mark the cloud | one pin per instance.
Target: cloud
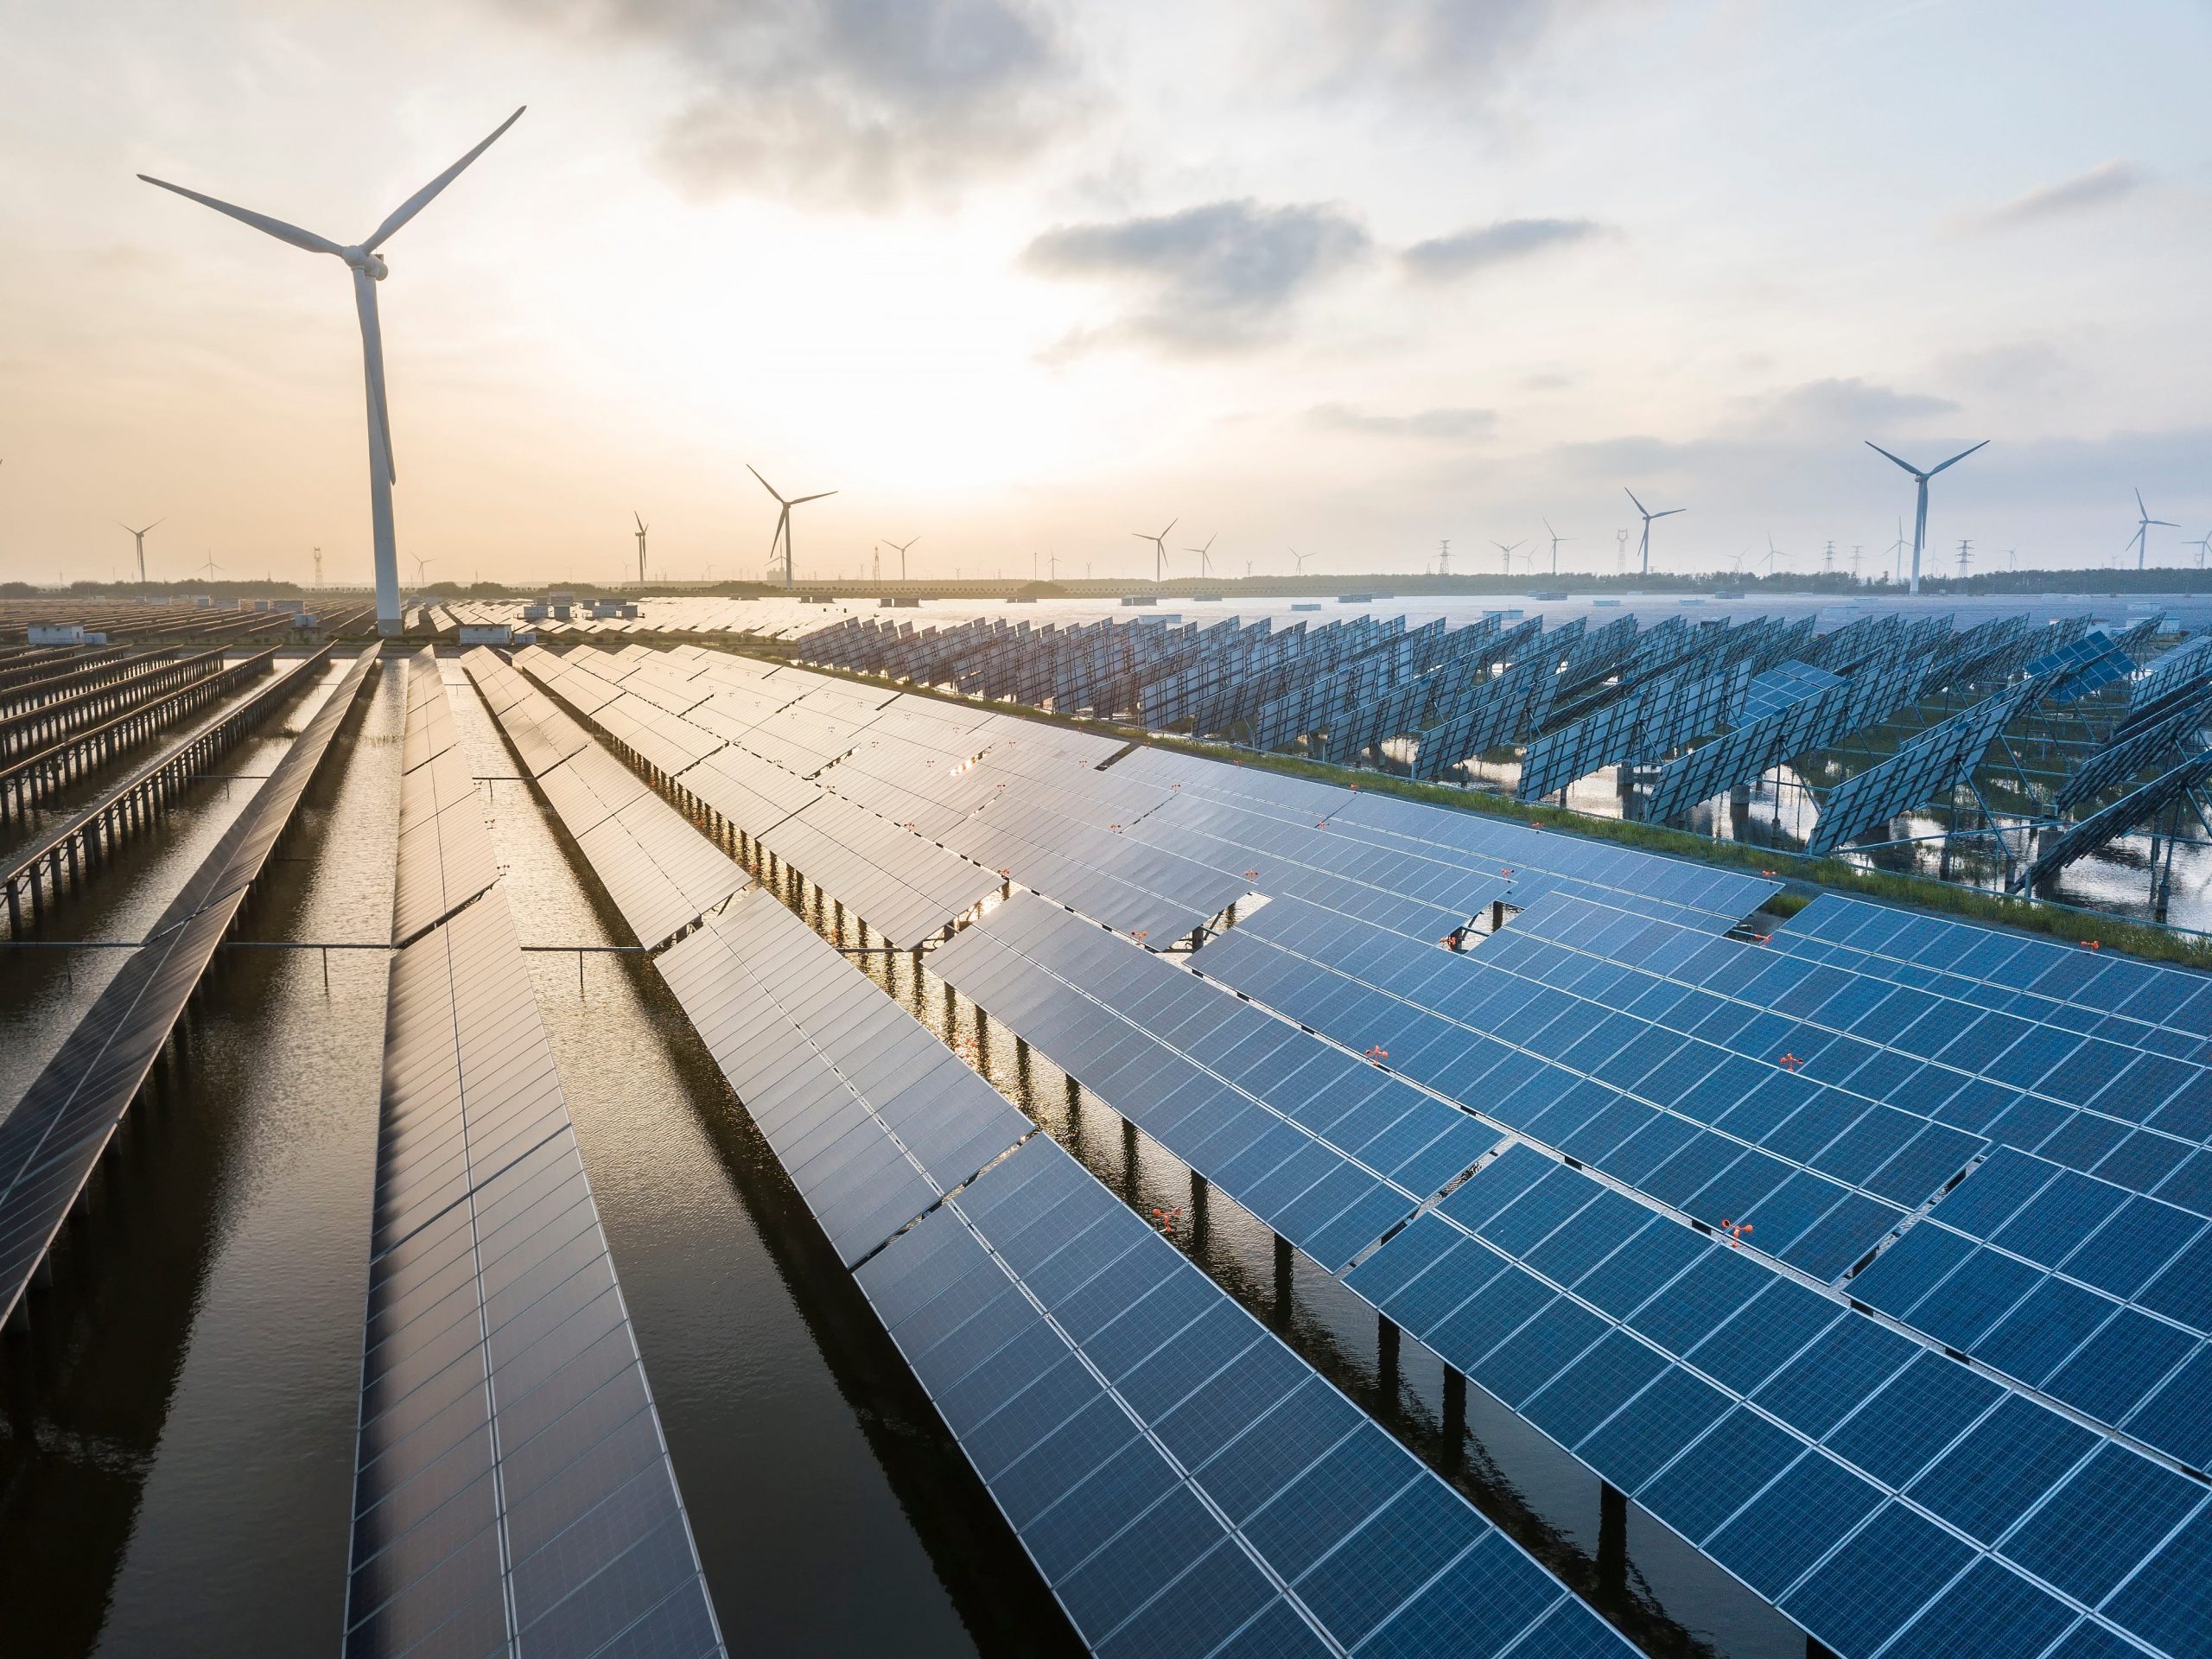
(861, 104)
(2105, 182)
(1480, 246)
(1220, 276)
(1444, 423)
(1832, 405)
(1455, 49)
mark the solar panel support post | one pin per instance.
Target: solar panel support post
(1612, 1546)
(1455, 1417)
(1282, 1283)
(1386, 1368)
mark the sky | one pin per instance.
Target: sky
(1021, 278)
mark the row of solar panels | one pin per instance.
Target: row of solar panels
(513, 1491)
(1277, 1199)
(52, 1140)
(1184, 1482)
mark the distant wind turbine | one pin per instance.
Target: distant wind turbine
(368, 271)
(1205, 565)
(2142, 536)
(420, 564)
(1508, 549)
(1556, 539)
(1158, 549)
(639, 519)
(139, 536)
(2200, 544)
(783, 519)
(210, 567)
(1897, 554)
(1920, 512)
(1644, 556)
(901, 547)
(1301, 558)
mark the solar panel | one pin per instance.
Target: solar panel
(2127, 755)
(445, 853)
(512, 1488)
(1785, 683)
(1933, 763)
(52, 1139)
(661, 873)
(2084, 665)
(2186, 663)
(908, 889)
(2108, 824)
(1182, 1481)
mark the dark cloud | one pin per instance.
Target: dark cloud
(1480, 246)
(852, 103)
(1218, 277)
(2107, 182)
(1443, 423)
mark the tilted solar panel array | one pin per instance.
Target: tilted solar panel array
(53, 1138)
(2174, 728)
(2108, 824)
(1932, 762)
(513, 1491)
(445, 858)
(1183, 1482)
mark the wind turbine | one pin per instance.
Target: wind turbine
(1920, 512)
(1772, 553)
(1556, 539)
(211, 568)
(1897, 555)
(369, 269)
(1509, 550)
(139, 536)
(1301, 558)
(783, 519)
(1158, 549)
(1644, 557)
(638, 519)
(420, 562)
(2200, 544)
(902, 547)
(2142, 536)
(1205, 565)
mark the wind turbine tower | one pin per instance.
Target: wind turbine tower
(1158, 549)
(902, 547)
(318, 566)
(139, 537)
(638, 519)
(1920, 511)
(368, 269)
(783, 519)
(1644, 557)
(2142, 536)
(1556, 539)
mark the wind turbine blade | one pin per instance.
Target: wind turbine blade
(818, 495)
(1670, 512)
(2168, 522)
(765, 483)
(1631, 496)
(1172, 523)
(364, 302)
(2141, 511)
(1907, 465)
(1957, 459)
(276, 227)
(415, 203)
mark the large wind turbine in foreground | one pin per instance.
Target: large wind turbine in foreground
(1920, 519)
(139, 537)
(783, 519)
(368, 271)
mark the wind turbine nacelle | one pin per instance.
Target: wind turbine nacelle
(362, 259)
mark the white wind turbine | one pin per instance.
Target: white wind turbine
(783, 520)
(1158, 549)
(1301, 558)
(2142, 536)
(1644, 557)
(1556, 539)
(1206, 564)
(2200, 544)
(369, 269)
(1920, 512)
(139, 537)
(1508, 549)
(902, 547)
(639, 518)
